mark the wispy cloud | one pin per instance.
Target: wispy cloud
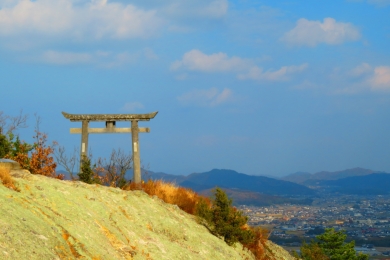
(380, 3)
(206, 97)
(132, 106)
(376, 78)
(196, 60)
(282, 74)
(363, 78)
(199, 8)
(102, 59)
(361, 70)
(65, 58)
(150, 54)
(312, 33)
(380, 80)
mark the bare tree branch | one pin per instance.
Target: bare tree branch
(9, 124)
(115, 168)
(68, 162)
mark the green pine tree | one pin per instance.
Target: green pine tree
(331, 245)
(86, 173)
(224, 220)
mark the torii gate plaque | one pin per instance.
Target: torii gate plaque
(110, 120)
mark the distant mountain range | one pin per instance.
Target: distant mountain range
(252, 198)
(244, 189)
(372, 184)
(308, 178)
(233, 180)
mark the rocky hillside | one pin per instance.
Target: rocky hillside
(53, 219)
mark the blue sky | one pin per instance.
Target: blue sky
(260, 87)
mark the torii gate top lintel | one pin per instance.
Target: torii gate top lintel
(109, 117)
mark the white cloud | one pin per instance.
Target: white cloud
(206, 97)
(132, 106)
(312, 33)
(196, 60)
(94, 19)
(283, 73)
(380, 80)
(218, 62)
(65, 58)
(362, 78)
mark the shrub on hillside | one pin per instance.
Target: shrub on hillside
(258, 245)
(42, 161)
(36, 158)
(224, 220)
(86, 173)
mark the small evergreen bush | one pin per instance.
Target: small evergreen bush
(224, 220)
(86, 173)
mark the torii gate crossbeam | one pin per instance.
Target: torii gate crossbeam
(110, 120)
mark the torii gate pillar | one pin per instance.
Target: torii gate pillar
(136, 157)
(110, 120)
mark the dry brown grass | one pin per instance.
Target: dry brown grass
(185, 199)
(6, 179)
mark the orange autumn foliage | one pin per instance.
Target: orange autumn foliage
(258, 245)
(41, 160)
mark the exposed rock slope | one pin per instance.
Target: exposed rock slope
(53, 219)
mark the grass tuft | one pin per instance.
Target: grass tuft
(6, 179)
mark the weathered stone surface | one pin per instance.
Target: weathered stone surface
(10, 164)
(53, 219)
(109, 117)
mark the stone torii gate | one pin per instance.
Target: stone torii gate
(110, 120)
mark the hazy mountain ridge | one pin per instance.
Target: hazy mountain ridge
(308, 178)
(242, 188)
(233, 180)
(372, 184)
(250, 198)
